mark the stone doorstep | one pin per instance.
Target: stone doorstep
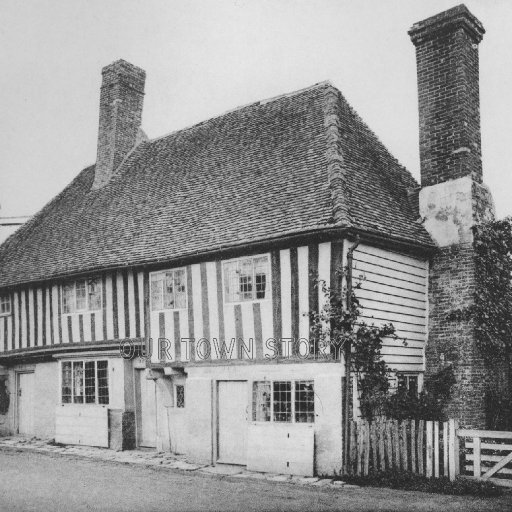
(167, 460)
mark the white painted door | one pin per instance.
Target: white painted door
(232, 425)
(26, 403)
(147, 411)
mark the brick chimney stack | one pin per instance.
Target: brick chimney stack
(452, 200)
(449, 100)
(121, 100)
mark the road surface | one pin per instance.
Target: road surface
(48, 482)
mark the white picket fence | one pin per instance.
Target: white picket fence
(430, 448)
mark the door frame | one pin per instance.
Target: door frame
(17, 374)
(216, 411)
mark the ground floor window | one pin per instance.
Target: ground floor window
(408, 382)
(180, 396)
(284, 401)
(85, 382)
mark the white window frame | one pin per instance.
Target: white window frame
(151, 274)
(293, 410)
(6, 299)
(87, 308)
(268, 284)
(96, 397)
(407, 375)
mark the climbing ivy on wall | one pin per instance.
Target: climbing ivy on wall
(492, 310)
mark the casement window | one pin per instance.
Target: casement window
(5, 305)
(408, 382)
(284, 401)
(247, 279)
(180, 396)
(81, 296)
(85, 382)
(169, 289)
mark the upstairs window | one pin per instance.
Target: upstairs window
(5, 305)
(169, 290)
(81, 295)
(85, 382)
(247, 279)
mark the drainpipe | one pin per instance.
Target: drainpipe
(348, 350)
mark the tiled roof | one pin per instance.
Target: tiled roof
(298, 163)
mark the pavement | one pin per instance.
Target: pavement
(162, 460)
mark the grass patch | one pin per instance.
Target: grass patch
(413, 482)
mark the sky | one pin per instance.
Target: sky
(203, 58)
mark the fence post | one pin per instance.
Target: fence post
(382, 428)
(353, 447)
(477, 471)
(405, 465)
(436, 449)
(421, 430)
(453, 449)
(413, 446)
(429, 449)
(366, 442)
(445, 448)
(389, 443)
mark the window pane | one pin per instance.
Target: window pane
(90, 382)
(66, 383)
(78, 382)
(68, 298)
(180, 289)
(245, 279)
(304, 401)
(81, 295)
(231, 281)
(102, 382)
(282, 401)
(260, 276)
(94, 294)
(169, 291)
(261, 394)
(157, 288)
(180, 396)
(5, 304)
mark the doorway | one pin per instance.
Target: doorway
(146, 410)
(232, 422)
(25, 401)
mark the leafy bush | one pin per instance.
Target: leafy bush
(413, 482)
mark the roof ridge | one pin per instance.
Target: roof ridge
(336, 169)
(264, 101)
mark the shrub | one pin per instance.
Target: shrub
(413, 482)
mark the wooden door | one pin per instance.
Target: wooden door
(232, 422)
(147, 411)
(25, 390)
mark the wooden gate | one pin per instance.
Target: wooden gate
(488, 453)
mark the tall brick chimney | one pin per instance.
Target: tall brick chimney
(449, 101)
(121, 100)
(452, 199)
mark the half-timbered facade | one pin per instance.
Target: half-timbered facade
(163, 298)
